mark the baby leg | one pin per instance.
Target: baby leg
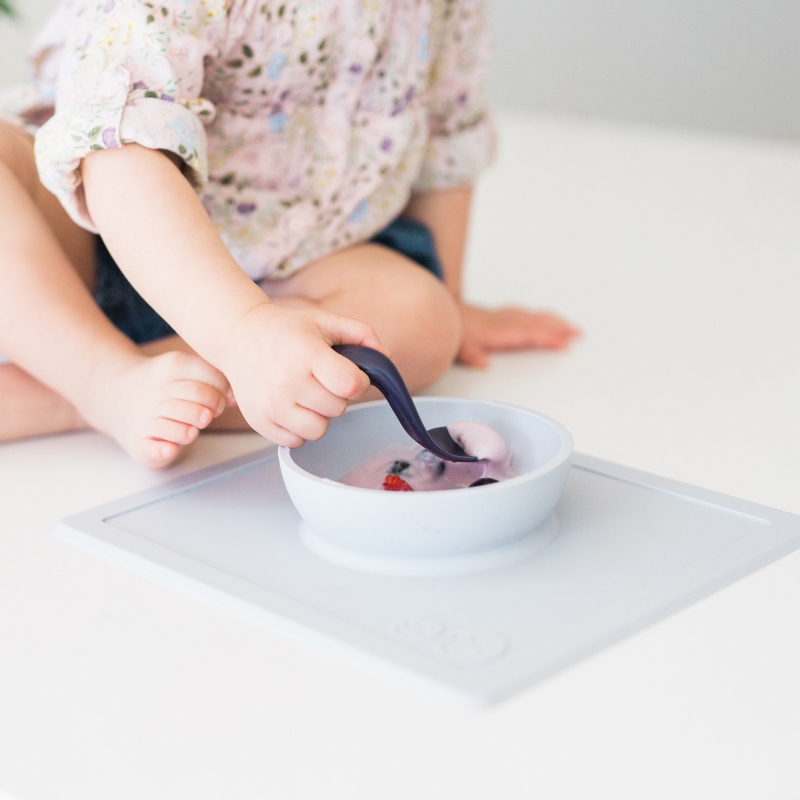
(63, 346)
(412, 312)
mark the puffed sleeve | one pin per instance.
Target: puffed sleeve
(461, 135)
(131, 71)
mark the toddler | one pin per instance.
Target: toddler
(199, 197)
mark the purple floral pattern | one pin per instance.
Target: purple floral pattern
(305, 127)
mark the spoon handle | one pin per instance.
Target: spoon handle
(385, 377)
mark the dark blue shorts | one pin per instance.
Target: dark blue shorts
(126, 308)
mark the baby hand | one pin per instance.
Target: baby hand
(509, 328)
(287, 380)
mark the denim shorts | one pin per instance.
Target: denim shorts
(126, 308)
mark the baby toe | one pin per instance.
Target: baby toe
(200, 393)
(171, 430)
(191, 367)
(561, 326)
(186, 412)
(157, 454)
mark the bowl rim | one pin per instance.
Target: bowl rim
(565, 451)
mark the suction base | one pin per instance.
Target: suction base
(517, 550)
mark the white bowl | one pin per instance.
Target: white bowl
(428, 533)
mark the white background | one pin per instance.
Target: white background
(678, 255)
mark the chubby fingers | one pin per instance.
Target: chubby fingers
(280, 435)
(346, 330)
(315, 397)
(295, 426)
(305, 417)
(338, 375)
(324, 395)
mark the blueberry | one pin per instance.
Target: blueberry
(399, 467)
(426, 457)
(482, 482)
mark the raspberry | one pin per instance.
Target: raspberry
(394, 483)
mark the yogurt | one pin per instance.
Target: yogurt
(411, 468)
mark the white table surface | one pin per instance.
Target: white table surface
(678, 255)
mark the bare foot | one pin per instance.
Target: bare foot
(511, 328)
(155, 406)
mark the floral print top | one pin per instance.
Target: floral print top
(304, 125)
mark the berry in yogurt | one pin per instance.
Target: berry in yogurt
(410, 468)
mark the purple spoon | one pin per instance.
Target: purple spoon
(384, 376)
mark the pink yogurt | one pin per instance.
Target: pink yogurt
(412, 468)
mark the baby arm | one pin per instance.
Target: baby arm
(446, 213)
(287, 380)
